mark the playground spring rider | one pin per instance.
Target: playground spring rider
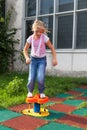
(39, 108)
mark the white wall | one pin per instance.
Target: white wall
(69, 64)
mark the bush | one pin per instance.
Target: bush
(14, 88)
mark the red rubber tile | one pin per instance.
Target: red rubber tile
(63, 108)
(57, 99)
(84, 87)
(74, 92)
(19, 108)
(73, 120)
(25, 123)
(81, 98)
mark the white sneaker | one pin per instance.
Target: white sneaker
(29, 94)
(42, 95)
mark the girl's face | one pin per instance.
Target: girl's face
(38, 32)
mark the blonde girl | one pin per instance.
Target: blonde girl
(37, 61)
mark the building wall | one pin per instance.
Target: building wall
(16, 18)
(17, 22)
(70, 63)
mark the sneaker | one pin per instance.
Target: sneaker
(29, 94)
(42, 95)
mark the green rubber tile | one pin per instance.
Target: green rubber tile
(81, 112)
(63, 95)
(85, 95)
(50, 103)
(7, 114)
(53, 115)
(73, 102)
(5, 128)
(81, 90)
(57, 126)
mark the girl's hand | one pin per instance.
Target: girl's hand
(54, 62)
(27, 60)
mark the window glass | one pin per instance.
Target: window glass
(49, 25)
(28, 31)
(82, 4)
(81, 30)
(30, 8)
(66, 5)
(46, 6)
(65, 28)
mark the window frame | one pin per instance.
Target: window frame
(55, 15)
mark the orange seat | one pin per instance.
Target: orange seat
(37, 99)
(30, 100)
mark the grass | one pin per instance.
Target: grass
(54, 85)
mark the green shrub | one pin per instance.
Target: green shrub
(82, 105)
(14, 88)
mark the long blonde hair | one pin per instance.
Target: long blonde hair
(39, 25)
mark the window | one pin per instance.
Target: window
(28, 28)
(65, 19)
(66, 5)
(82, 4)
(65, 28)
(30, 8)
(46, 6)
(81, 30)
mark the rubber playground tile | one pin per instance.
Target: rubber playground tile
(57, 126)
(56, 99)
(50, 103)
(81, 98)
(81, 90)
(74, 92)
(53, 115)
(19, 108)
(7, 114)
(81, 112)
(5, 128)
(25, 123)
(84, 95)
(73, 120)
(84, 87)
(63, 108)
(63, 95)
(73, 102)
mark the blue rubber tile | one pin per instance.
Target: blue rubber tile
(81, 112)
(5, 128)
(81, 90)
(57, 126)
(7, 114)
(73, 102)
(53, 115)
(63, 95)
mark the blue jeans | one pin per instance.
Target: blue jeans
(37, 69)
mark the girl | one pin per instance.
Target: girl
(37, 63)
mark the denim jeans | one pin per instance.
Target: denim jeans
(37, 69)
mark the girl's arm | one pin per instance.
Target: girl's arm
(54, 61)
(25, 52)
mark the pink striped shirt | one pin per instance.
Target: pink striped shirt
(38, 47)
